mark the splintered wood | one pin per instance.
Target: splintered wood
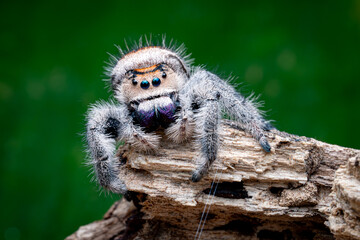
(302, 189)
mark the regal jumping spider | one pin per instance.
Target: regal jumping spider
(156, 88)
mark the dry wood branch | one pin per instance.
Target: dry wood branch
(303, 189)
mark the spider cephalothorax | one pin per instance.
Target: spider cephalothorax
(157, 89)
(148, 81)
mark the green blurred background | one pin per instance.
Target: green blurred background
(302, 57)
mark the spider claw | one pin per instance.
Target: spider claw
(117, 186)
(265, 144)
(196, 176)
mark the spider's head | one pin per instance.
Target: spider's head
(150, 82)
(148, 73)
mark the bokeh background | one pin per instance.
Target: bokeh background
(302, 57)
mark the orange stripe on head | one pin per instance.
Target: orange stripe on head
(153, 68)
(147, 69)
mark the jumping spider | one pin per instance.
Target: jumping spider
(156, 88)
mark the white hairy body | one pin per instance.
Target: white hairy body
(196, 97)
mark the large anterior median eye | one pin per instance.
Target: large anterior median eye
(144, 84)
(156, 82)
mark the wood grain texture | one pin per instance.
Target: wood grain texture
(302, 189)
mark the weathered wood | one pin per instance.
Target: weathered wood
(303, 189)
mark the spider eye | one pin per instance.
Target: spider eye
(164, 75)
(145, 84)
(134, 82)
(156, 82)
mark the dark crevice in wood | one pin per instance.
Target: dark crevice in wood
(234, 190)
(245, 226)
(133, 225)
(136, 197)
(282, 144)
(276, 190)
(272, 235)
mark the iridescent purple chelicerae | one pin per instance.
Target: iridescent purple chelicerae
(156, 113)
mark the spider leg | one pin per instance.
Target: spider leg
(108, 123)
(208, 120)
(243, 110)
(214, 94)
(183, 127)
(203, 103)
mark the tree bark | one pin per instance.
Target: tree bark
(302, 189)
